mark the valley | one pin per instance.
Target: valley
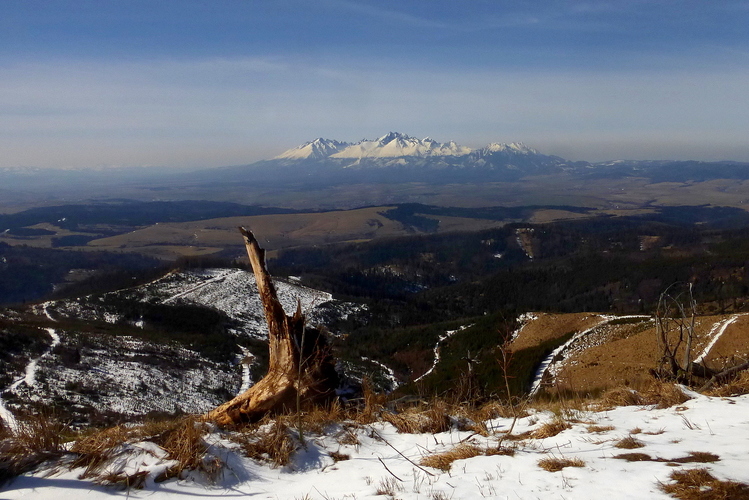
(409, 293)
(444, 280)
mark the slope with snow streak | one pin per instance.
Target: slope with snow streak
(384, 457)
(716, 332)
(553, 363)
(29, 378)
(441, 339)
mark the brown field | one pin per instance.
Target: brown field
(612, 355)
(549, 326)
(171, 240)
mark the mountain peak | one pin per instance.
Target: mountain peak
(513, 147)
(395, 144)
(318, 149)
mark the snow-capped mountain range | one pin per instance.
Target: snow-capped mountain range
(397, 157)
(394, 145)
(394, 158)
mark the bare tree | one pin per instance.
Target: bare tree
(301, 370)
(675, 319)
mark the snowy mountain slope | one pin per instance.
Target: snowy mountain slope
(96, 377)
(183, 343)
(318, 149)
(394, 145)
(230, 291)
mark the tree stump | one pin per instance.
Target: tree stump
(301, 369)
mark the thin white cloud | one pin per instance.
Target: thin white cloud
(377, 11)
(224, 111)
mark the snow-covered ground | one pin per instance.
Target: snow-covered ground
(231, 291)
(91, 373)
(382, 459)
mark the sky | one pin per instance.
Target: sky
(204, 83)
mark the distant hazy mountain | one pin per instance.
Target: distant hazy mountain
(395, 158)
(391, 159)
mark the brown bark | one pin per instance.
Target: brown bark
(301, 371)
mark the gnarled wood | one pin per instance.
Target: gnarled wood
(301, 371)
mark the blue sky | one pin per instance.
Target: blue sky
(207, 83)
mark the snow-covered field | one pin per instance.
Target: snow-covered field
(382, 463)
(231, 291)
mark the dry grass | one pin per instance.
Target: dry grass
(184, 443)
(693, 457)
(600, 429)
(697, 457)
(373, 404)
(629, 443)
(434, 419)
(635, 457)
(657, 393)
(38, 438)
(506, 451)
(735, 387)
(550, 429)
(337, 456)
(347, 437)
(444, 461)
(96, 449)
(389, 486)
(663, 394)
(554, 464)
(699, 484)
(270, 443)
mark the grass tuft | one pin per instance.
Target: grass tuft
(629, 443)
(600, 429)
(337, 456)
(37, 439)
(270, 443)
(96, 449)
(434, 419)
(635, 457)
(657, 393)
(737, 386)
(699, 484)
(553, 464)
(702, 457)
(444, 460)
(550, 429)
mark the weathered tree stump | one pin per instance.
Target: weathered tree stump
(301, 369)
